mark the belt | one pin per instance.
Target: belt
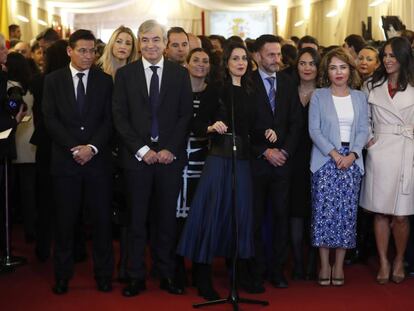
(345, 144)
(222, 145)
(395, 129)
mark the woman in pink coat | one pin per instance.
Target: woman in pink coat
(388, 188)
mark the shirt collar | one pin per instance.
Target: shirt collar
(74, 71)
(147, 64)
(264, 75)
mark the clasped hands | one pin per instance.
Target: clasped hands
(82, 154)
(342, 162)
(163, 156)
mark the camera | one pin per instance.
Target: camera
(14, 100)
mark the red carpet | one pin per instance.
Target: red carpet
(29, 288)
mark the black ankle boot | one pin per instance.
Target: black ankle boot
(205, 283)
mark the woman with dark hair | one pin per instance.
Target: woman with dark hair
(338, 127)
(353, 44)
(387, 188)
(208, 231)
(55, 58)
(300, 200)
(19, 76)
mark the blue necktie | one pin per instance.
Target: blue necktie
(80, 93)
(154, 94)
(272, 93)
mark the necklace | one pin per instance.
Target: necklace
(305, 94)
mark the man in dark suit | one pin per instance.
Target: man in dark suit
(278, 109)
(77, 114)
(152, 108)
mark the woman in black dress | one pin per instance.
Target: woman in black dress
(300, 194)
(208, 231)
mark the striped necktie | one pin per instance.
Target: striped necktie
(272, 93)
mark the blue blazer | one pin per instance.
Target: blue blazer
(324, 127)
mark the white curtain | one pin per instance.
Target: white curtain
(171, 13)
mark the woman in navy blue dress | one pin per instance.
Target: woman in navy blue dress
(208, 231)
(338, 126)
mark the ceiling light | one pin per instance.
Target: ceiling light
(299, 23)
(41, 22)
(375, 3)
(332, 13)
(22, 18)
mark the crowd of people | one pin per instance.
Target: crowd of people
(207, 147)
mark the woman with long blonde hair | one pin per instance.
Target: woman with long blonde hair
(120, 50)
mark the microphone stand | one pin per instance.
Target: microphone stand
(9, 262)
(233, 297)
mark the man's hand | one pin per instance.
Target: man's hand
(275, 157)
(82, 154)
(219, 127)
(150, 157)
(165, 157)
(271, 135)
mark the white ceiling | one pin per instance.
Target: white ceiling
(96, 6)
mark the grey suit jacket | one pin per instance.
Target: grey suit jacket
(324, 127)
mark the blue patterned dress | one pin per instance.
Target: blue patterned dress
(335, 196)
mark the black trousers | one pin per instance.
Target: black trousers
(270, 189)
(153, 187)
(71, 194)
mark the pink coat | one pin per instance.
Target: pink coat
(388, 185)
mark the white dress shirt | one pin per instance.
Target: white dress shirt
(148, 75)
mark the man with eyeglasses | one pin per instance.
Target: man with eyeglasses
(77, 114)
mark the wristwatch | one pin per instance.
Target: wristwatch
(355, 154)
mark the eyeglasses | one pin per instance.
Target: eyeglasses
(86, 51)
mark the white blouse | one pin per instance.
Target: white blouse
(345, 112)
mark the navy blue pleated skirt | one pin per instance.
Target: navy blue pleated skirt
(208, 231)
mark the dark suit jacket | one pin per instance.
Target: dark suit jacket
(68, 128)
(132, 111)
(287, 120)
(7, 146)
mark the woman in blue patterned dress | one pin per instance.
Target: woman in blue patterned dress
(338, 126)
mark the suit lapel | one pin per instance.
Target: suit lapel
(70, 90)
(141, 81)
(165, 80)
(383, 99)
(263, 94)
(90, 91)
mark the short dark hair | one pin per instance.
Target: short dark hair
(56, 56)
(13, 27)
(221, 39)
(35, 46)
(355, 41)
(18, 69)
(307, 39)
(289, 54)
(81, 34)
(409, 34)
(49, 35)
(263, 39)
(175, 30)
